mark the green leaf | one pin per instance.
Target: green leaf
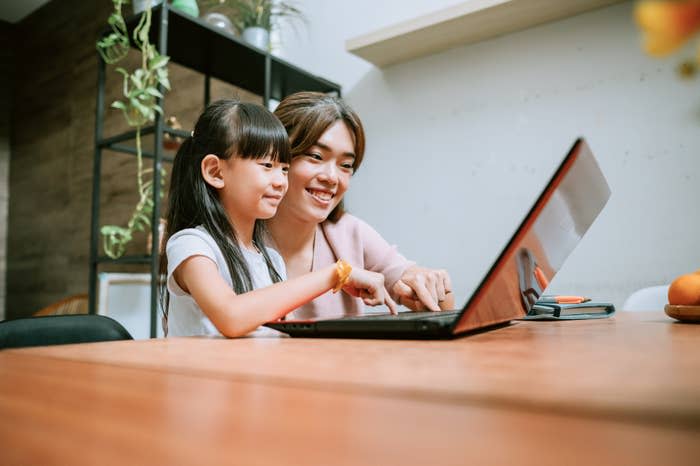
(154, 92)
(136, 79)
(158, 62)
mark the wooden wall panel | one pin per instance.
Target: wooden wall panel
(52, 151)
(6, 75)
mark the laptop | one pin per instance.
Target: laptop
(566, 208)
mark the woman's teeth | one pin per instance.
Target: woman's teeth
(321, 195)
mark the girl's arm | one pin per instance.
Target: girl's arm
(239, 314)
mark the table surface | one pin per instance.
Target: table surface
(624, 390)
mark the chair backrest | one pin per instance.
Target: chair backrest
(652, 298)
(58, 330)
(76, 304)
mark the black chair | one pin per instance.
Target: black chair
(60, 330)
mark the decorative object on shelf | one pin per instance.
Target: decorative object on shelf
(257, 36)
(256, 18)
(139, 107)
(667, 26)
(220, 21)
(171, 142)
(141, 5)
(186, 6)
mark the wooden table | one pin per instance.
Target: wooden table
(614, 391)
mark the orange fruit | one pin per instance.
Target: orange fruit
(685, 290)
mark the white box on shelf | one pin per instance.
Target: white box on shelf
(126, 298)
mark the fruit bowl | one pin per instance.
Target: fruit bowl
(683, 313)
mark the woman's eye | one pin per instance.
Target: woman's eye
(315, 156)
(266, 164)
(285, 169)
(347, 167)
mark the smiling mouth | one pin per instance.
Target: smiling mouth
(322, 196)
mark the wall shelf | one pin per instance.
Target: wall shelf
(465, 23)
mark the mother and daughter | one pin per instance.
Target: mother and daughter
(256, 229)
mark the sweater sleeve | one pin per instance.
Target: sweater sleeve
(380, 256)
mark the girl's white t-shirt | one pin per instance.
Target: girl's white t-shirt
(185, 318)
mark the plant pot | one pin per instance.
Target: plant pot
(141, 5)
(186, 6)
(257, 36)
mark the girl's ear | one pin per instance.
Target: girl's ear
(211, 171)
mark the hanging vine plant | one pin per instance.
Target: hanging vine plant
(139, 107)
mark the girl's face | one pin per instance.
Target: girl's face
(319, 178)
(253, 189)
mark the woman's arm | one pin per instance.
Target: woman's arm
(239, 314)
(415, 287)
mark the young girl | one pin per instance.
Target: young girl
(228, 176)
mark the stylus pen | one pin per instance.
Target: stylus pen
(563, 299)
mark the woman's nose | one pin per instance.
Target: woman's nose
(329, 173)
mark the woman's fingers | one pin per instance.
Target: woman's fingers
(447, 280)
(418, 284)
(406, 297)
(429, 287)
(403, 291)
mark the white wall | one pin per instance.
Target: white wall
(460, 143)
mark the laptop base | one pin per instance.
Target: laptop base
(385, 327)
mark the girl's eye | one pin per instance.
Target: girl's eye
(315, 156)
(266, 164)
(285, 169)
(347, 166)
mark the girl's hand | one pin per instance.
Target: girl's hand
(370, 287)
(420, 288)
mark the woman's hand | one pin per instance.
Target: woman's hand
(419, 289)
(370, 287)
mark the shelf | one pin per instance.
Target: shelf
(214, 52)
(112, 142)
(465, 23)
(146, 259)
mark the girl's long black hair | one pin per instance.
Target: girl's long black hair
(227, 128)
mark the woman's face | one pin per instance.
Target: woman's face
(319, 177)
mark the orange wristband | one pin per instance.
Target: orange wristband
(343, 270)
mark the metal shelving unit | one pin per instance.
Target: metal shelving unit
(216, 54)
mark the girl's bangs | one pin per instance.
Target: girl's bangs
(260, 134)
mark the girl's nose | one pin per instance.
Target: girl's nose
(280, 179)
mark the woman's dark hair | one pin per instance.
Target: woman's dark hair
(227, 128)
(307, 115)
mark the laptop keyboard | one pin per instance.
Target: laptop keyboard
(429, 315)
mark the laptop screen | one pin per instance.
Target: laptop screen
(560, 217)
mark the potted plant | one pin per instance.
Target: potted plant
(254, 19)
(139, 107)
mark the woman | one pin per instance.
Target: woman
(328, 142)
